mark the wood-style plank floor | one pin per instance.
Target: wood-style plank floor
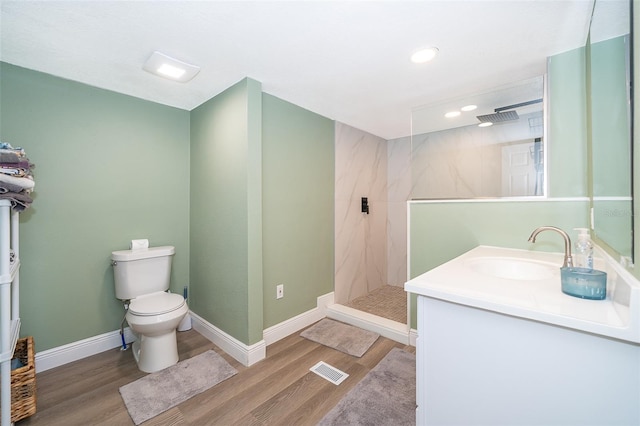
(279, 390)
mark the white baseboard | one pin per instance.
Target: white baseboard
(61, 355)
(305, 319)
(246, 354)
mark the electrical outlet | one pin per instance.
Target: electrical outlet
(279, 291)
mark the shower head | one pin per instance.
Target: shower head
(498, 117)
(501, 114)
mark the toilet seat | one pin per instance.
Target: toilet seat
(156, 304)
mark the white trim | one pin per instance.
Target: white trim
(247, 355)
(545, 129)
(532, 199)
(613, 198)
(413, 337)
(290, 326)
(74, 351)
(385, 327)
(408, 250)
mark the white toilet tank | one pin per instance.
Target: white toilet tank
(141, 271)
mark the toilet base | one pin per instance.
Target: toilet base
(155, 353)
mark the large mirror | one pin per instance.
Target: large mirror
(610, 113)
(486, 145)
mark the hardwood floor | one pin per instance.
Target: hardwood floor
(279, 390)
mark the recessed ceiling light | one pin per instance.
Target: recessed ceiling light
(485, 124)
(424, 55)
(468, 108)
(170, 71)
(452, 114)
(168, 67)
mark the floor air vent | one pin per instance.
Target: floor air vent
(330, 373)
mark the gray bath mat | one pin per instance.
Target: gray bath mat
(386, 395)
(343, 337)
(153, 394)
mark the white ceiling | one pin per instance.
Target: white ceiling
(346, 60)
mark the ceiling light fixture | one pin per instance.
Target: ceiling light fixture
(170, 71)
(485, 124)
(168, 67)
(424, 55)
(452, 114)
(468, 108)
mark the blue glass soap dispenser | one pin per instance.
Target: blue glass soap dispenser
(582, 280)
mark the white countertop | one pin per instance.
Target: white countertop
(617, 316)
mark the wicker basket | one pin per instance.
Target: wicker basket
(23, 381)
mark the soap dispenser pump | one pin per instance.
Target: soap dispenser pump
(584, 250)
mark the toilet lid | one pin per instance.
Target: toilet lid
(156, 304)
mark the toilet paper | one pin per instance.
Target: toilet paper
(139, 244)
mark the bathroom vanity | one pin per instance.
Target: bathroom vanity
(499, 343)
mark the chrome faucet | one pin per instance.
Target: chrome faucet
(568, 260)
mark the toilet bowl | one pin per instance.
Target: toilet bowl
(154, 318)
(141, 279)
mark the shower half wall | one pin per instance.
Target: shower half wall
(370, 249)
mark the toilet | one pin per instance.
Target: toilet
(142, 278)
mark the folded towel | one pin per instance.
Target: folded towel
(23, 182)
(6, 148)
(11, 171)
(9, 187)
(19, 201)
(8, 157)
(19, 164)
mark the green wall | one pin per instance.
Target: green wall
(298, 208)
(567, 130)
(609, 144)
(442, 231)
(610, 126)
(261, 210)
(242, 186)
(226, 211)
(109, 168)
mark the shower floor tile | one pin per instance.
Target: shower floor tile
(388, 302)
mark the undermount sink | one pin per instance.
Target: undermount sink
(513, 268)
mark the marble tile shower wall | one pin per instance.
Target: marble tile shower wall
(456, 164)
(466, 162)
(371, 250)
(360, 239)
(398, 192)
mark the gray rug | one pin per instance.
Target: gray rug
(386, 395)
(343, 337)
(153, 394)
